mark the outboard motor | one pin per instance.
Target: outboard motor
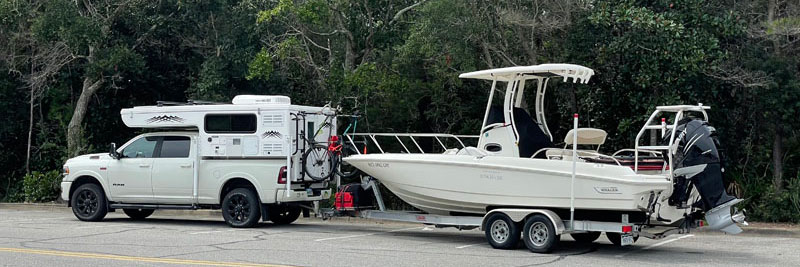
(698, 164)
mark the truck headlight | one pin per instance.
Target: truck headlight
(65, 171)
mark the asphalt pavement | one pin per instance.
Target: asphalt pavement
(42, 235)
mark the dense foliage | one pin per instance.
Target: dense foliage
(69, 66)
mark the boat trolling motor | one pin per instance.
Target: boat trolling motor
(698, 164)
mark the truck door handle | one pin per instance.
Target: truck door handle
(144, 165)
(186, 166)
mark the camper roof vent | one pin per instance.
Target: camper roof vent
(261, 100)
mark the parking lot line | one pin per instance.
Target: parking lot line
(351, 236)
(128, 258)
(37, 219)
(656, 245)
(470, 245)
(218, 231)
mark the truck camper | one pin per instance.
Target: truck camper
(259, 157)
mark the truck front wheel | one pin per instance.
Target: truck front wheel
(89, 203)
(241, 208)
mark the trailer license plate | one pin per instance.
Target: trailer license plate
(627, 240)
(309, 192)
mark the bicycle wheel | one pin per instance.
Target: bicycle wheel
(344, 169)
(318, 162)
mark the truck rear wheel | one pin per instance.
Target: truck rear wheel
(281, 214)
(539, 234)
(138, 214)
(241, 208)
(89, 203)
(501, 231)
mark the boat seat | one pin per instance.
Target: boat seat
(586, 136)
(472, 151)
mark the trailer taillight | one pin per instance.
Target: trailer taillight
(627, 229)
(282, 175)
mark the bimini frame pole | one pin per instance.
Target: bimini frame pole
(574, 165)
(488, 106)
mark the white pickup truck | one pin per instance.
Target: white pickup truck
(220, 159)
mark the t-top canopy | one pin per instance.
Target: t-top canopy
(578, 73)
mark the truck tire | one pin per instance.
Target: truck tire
(280, 214)
(539, 234)
(89, 203)
(241, 208)
(587, 237)
(501, 231)
(138, 214)
(616, 238)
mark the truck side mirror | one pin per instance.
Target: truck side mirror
(113, 151)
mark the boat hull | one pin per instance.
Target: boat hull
(463, 184)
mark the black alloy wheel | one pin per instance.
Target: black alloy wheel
(241, 208)
(89, 203)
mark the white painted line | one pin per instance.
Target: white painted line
(656, 245)
(351, 236)
(466, 246)
(99, 226)
(39, 219)
(428, 228)
(211, 232)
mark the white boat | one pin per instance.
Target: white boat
(672, 181)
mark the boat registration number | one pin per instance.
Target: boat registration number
(627, 240)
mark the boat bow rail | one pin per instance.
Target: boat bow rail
(444, 141)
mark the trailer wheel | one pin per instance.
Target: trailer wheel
(501, 231)
(587, 237)
(539, 234)
(241, 208)
(616, 238)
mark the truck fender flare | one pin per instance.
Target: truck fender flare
(96, 176)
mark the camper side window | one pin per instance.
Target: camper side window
(141, 148)
(230, 123)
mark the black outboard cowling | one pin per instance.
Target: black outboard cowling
(697, 163)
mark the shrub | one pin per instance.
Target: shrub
(41, 186)
(783, 206)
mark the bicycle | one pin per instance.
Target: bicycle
(318, 161)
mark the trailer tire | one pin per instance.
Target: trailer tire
(616, 238)
(281, 215)
(539, 234)
(587, 237)
(89, 203)
(138, 214)
(501, 231)
(241, 208)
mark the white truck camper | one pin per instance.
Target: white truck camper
(252, 158)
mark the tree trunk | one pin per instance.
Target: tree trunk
(74, 129)
(777, 144)
(777, 158)
(30, 137)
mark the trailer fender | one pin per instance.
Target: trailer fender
(519, 215)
